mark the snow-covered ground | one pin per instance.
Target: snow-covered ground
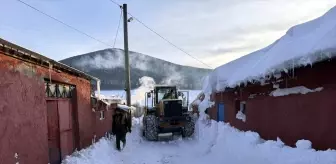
(217, 143)
(213, 143)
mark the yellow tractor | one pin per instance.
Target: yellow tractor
(166, 112)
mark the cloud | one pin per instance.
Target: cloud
(224, 50)
(112, 58)
(215, 31)
(210, 28)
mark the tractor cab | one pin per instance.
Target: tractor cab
(164, 93)
(166, 111)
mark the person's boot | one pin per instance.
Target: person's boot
(118, 146)
(123, 145)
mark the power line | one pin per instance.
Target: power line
(115, 3)
(115, 38)
(64, 23)
(161, 35)
(79, 31)
(169, 41)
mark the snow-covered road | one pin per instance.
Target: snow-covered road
(217, 143)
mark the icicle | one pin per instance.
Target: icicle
(293, 68)
(50, 68)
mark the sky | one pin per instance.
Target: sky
(213, 31)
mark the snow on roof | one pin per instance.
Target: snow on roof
(294, 90)
(111, 97)
(125, 107)
(302, 45)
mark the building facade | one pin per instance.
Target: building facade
(296, 105)
(46, 109)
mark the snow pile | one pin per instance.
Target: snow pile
(303, 144)
(294, 90)
(241, 116)
(302, 45)
(92, 154)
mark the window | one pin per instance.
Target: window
(102, 115)
(242, 107)
(161, 92)
(57, 90)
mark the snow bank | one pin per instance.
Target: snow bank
(239, 147)
(302, 45)
(98, 153)
(294, 90)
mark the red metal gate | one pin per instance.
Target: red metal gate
(65, 124)
(53, 133)
(60, 129)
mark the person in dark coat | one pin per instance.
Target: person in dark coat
(120, 126)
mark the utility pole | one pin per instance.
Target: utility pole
(127, 66)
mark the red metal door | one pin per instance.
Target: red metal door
(66, 127)
(53, 133)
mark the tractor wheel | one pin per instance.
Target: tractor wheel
(151, 128)
(188, 129)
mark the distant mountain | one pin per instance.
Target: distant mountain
(108, 66)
